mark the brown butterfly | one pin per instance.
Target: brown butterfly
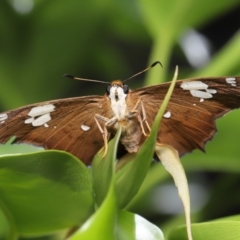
(83, 125)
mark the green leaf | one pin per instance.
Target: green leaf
(126, 225)
(44, 192)
(102, 223)
(131, 226)
(229, 218)
(103, 169)
(216, 230)
(4, 229)
(9, 148)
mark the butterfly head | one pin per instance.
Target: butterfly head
(117, 91)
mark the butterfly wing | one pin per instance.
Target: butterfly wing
(69, 125)
(189, 121)
(65, 124)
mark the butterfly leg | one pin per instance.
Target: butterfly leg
(109, 123)
(142, 119)
(103, 130)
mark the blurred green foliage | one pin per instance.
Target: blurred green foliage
(114, 39)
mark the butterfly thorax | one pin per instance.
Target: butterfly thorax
(131, 131)
(118, 100)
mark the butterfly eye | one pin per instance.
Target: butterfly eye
(125, 88)
(108, 89)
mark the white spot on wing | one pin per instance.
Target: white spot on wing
(41, 120)
(201, 94)
(201, 100)
(231, 81)
(29, 120)
(3, 117)
(212, 91)
(40, 115)
(85, 127)
(167, 114)
(199, 89)
(41, 110)
(194, 85)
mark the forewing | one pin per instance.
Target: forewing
(72, 127)
(189, 120)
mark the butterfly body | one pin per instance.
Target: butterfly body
(117, 98)
(126, 113)
(70, 124)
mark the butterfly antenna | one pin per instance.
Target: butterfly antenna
(153, 65)
(82, 79)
